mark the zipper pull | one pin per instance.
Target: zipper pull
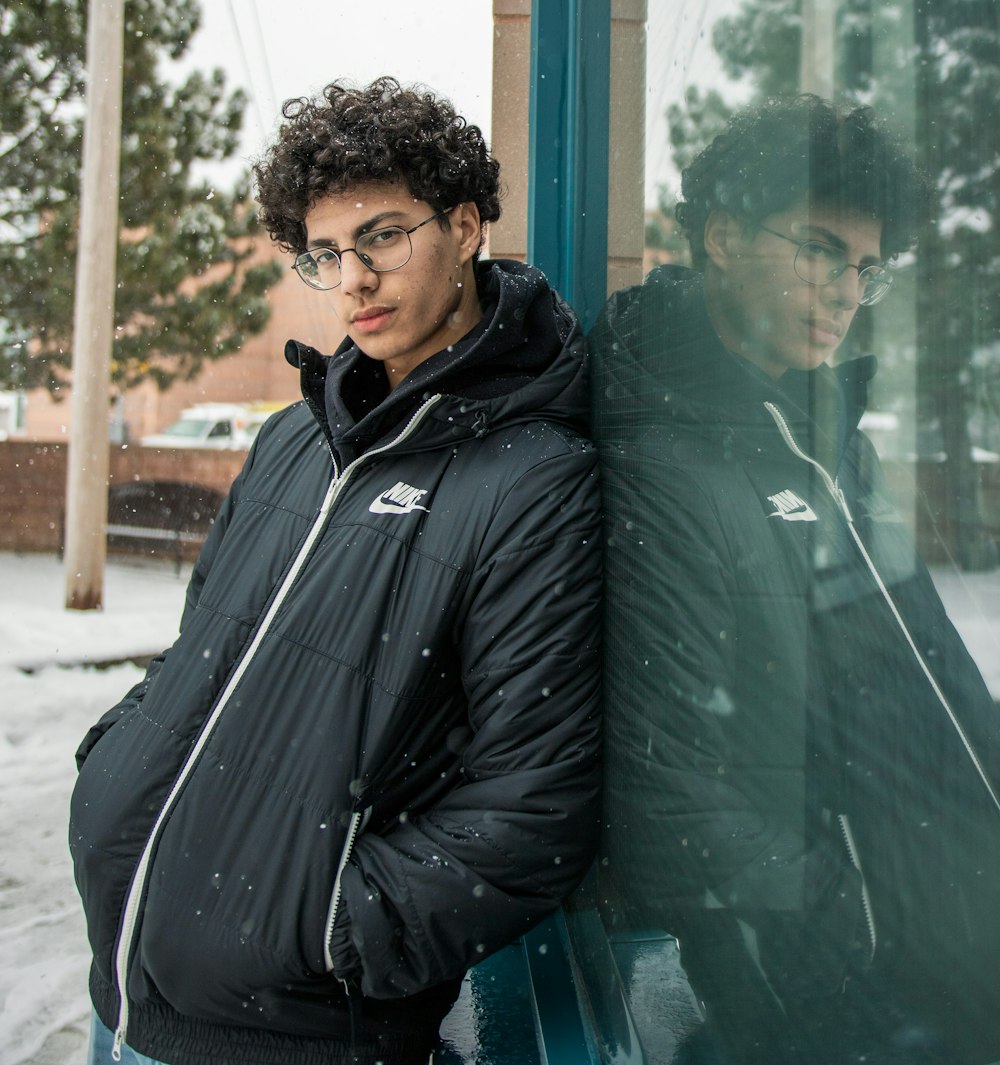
(116, 1050)
(842, 500)
(353, 1005)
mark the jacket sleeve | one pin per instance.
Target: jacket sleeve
(198, 576)
(439, 892)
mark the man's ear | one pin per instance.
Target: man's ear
(723, 238)
(466, 225)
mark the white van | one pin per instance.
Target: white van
(213, 425)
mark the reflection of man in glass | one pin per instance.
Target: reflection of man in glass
(803, 771)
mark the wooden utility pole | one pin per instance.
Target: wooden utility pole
(94, 309)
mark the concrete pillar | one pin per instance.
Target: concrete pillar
(511, 88)
(817, 66)
(627, 146)
(511, 76)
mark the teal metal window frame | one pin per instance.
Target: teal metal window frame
(568, 131)
(568, 126)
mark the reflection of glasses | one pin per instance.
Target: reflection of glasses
(818, 263)
(380, 250)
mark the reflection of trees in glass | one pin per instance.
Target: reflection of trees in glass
(186, 290)
(944, 58)
(692, 125)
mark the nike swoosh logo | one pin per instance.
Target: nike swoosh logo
(384, 506)
(803, 513)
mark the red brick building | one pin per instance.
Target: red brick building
(256, 373)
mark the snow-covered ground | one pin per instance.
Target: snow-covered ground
(51, 700)
(44, 1009)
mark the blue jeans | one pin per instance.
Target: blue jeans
(102, 1039)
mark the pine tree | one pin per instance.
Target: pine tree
(187, 287)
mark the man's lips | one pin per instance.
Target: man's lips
(822, 331)
(371, 319)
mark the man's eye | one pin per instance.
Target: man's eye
(383, 238)
(821, 252)
(323, 256)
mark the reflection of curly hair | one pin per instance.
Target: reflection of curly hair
(790, 148)
(382, 132)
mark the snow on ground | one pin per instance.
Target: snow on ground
(50, 700)
(44, 958)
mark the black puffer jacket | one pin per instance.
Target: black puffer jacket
(370, 758)
(803, 760)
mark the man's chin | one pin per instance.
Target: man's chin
(816, 354)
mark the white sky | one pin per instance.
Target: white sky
(679, 53)
(277, 49)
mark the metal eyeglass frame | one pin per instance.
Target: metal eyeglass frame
(874, 274)
(302, 260)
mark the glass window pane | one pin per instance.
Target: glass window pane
(802, 487)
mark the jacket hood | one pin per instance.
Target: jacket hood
(657, 353)
(524, 359)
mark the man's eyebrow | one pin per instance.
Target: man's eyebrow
(806, 229)
(359, 230)
(829, 237)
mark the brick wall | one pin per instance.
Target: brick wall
(33, 489)
(33, 484)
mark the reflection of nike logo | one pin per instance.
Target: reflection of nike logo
(790, 507)
(400, 499)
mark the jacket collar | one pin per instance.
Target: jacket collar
(525, 359)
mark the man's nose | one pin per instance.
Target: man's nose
(355, 275)
(845, 290)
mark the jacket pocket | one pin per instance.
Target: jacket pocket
(810, 955)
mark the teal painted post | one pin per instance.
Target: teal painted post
(568, 148)
(562, 1021)
(568, 118)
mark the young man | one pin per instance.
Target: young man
(802, 757)
(369, 760)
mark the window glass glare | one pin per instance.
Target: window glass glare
(797, 406)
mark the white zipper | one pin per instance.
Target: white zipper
(866, 901)
(838, 495)
(131, 912)
(358, 821)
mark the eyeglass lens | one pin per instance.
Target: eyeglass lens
(818, 263)
(381, 250)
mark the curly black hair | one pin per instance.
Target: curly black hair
(382, 132)
(803, 147)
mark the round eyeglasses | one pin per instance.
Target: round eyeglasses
(819, 263)
(380, 250)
